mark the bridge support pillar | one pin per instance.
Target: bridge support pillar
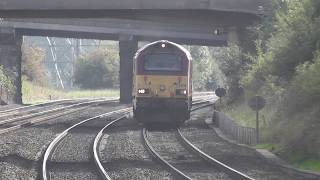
(127, 47)
(10, 59)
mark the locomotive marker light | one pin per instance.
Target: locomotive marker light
(257, 103)
(216, 32)
(181, 92)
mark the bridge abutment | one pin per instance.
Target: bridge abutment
(10, 59)
(127, 48)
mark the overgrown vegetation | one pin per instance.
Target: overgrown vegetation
(32, 64)
(5, 81)
(99, 69)
(206, 73)
(286, 71)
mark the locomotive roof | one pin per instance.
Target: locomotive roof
(167, 42)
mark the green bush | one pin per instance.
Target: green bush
(99, 69)
(305, 88)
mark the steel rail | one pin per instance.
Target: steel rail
(199, 102)
(33, 105)
(26, 111)
(21, 112)
(232, 172)
(58, 139)
(206, 104)
(157, 156)
(96, 142)
(210, 98)
(49, 111)
(29, 123)
(51, 102)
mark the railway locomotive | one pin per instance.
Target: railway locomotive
(162, 84)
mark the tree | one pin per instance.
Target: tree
(32, 64)
(99, 69)
(206, 74)
(230, 61)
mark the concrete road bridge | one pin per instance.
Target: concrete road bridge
(193, 22)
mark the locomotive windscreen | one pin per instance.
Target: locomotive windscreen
(162, 62)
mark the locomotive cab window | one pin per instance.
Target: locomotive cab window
(162, 62)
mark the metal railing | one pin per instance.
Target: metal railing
(243, 135)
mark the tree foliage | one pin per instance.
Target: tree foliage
(99, 69)
(293, 41)
(5, 81)
(285, 69)
(32, 64)
(231, 62)
(206, 74)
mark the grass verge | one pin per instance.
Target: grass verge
(32, 93)
(269, 132)
(309, 164)
(241, 114)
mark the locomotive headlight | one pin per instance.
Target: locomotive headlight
(143, 91)
(181, 92)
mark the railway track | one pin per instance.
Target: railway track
(98, 162)
(232, 173)
(96, 142)
(223, 167)
(96, 155)
(54, 144)
(35, 109)
(14, 123)
(36, 106)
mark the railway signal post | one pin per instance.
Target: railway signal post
(220, 92)
(257, 103)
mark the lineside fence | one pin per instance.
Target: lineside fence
(243, 135)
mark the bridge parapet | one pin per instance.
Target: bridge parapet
(240, 6)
